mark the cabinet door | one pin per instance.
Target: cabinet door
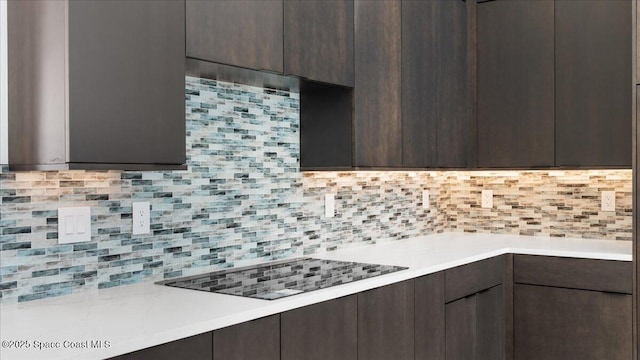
(593, 71)
(386, 322)
(430, 317)
(515, 84)
(126, 82)
(490, 326)
(245, 33)
(254, 340)
(197, 347)
(461, 319)
(475, 326)
(377, 126)
(438, 129)
(319, 40)
(556, 323)
(326, 330)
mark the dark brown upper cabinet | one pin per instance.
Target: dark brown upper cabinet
(244, 33)
(515, 84)
(593, 75)
(318, 38)
(96, 85)
(438, 127)
(377, 122)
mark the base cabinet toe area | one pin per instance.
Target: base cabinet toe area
(506, 307)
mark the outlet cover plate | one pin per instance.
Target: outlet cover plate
(74, 224)
(425, 199)
(608, 201)
(487, 199)
(141, 218)
(329, 205)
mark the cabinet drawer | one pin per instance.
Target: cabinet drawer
(472, 278)
(587, 274)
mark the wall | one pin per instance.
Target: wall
(243, 200)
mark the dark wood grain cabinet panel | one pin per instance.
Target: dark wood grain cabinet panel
(490, 326)
(593, 72)
(437, 122)
(429, 317)
(556, 323)
(377, 105)
(253, 340)
(328, 330)
(516, 84)
(419, 89)
(197, 347)
(386, 322)
(585, 274)
(475, 326)
(461, 319)
(319, 40)
(471, 278)
(96, 85)
(245, 33)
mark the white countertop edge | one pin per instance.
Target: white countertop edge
(597, 249)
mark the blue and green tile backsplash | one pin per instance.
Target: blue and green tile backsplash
(243, 200)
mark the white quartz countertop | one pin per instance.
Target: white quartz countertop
(134, 317)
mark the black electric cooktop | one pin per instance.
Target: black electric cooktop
(283, 278)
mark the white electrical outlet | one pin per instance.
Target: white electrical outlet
(141, 218)
(608, 202)
(329, 205)
(425, 199)
(487, 199)
(74, 224)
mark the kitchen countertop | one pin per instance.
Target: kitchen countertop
(138, 316)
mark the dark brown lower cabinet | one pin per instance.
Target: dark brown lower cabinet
(475, 326)
(429, 317)
(386, 322)
(327, 330)
(556, 323)
(198, 347)
(253, 340)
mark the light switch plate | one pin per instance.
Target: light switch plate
(329, 205)
(74, 224)
(425, 199)
(141, 218)
(487, 199)
(608, 201)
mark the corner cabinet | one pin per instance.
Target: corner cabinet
(572, 308)
(96, 85)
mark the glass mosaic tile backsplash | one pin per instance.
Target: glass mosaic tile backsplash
(243, 200)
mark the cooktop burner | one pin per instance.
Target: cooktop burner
(281, 279)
